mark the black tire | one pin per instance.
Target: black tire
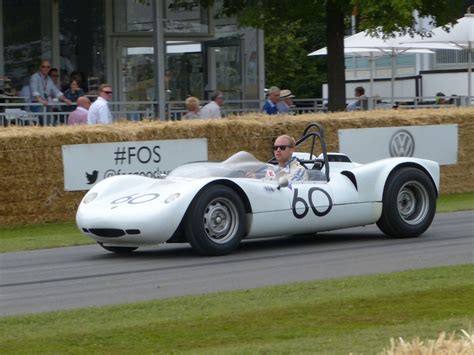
(408, 204)
(215, 222)
(118, 250)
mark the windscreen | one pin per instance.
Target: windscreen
(238, 165)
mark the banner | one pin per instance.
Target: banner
(434, 142)
(87, 164)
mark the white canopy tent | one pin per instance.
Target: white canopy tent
(364, 42)
(460, 36)
(371, 55)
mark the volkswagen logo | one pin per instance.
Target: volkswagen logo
(402, 144)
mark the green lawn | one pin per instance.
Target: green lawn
(357, 314)
(52, 235)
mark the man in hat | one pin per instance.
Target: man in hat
(285, 103)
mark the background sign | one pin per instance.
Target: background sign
(87, 164)
(435, 142)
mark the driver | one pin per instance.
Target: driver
(288, 166)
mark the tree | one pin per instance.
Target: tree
(334, 15)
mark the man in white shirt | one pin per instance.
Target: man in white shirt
(99, 112)
(213, 108)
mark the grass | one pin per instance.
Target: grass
(356, 314)
(456, 202)
(53, 235)
(40, 236)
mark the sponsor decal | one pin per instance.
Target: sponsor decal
(402, 144)
(269, 189)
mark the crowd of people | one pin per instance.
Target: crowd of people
(278, 102)
(43, 88)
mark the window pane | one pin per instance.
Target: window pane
(82, 41)
(179, 16)
(132, 16)
(184, 16)
(27, 38)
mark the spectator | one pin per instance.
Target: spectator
(361, 102)
(192, 105)
(286, 102)
(54, 75)
(78, 77)
(43, 89)
(74, 91)
(79, 115)
(440, 98)
(213, 108)
(270, 107)
(99, 112)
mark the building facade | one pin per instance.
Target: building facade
(149, 50)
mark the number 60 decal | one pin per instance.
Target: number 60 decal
(297, 199)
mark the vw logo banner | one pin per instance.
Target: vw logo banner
(434, 142)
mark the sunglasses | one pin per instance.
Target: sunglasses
(107, 92)
(281, 147)
(45, 66)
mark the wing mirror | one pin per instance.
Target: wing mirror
(282, 182)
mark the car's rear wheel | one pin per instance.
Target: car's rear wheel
(408, 205)
(215, 221)
(118, 250)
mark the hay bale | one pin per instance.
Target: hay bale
(31, 166)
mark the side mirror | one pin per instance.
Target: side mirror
(282, 182)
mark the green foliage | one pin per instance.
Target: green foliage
(398, 15)
(291, 32)
(348, 315)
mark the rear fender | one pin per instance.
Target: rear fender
(371, 178)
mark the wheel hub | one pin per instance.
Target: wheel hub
(406, 202)
(220, 220)
(413, 202)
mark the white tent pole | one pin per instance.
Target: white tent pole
(372, 71)
(393, 76)
(469, 72)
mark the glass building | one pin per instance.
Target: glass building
(148, 50)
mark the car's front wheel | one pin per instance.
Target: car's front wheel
(215, 221)
(408, 205)
(118, 250)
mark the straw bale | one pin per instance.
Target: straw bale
(31, 168)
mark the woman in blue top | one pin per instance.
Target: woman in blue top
(74, 91)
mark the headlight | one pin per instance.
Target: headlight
(172, 197)
(91, 196)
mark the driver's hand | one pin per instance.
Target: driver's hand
(250, 175)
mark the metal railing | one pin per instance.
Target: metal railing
(21, 113)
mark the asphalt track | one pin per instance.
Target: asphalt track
(65, 278)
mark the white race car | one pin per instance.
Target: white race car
(213, 205)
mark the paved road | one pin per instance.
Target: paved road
(65, 278)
